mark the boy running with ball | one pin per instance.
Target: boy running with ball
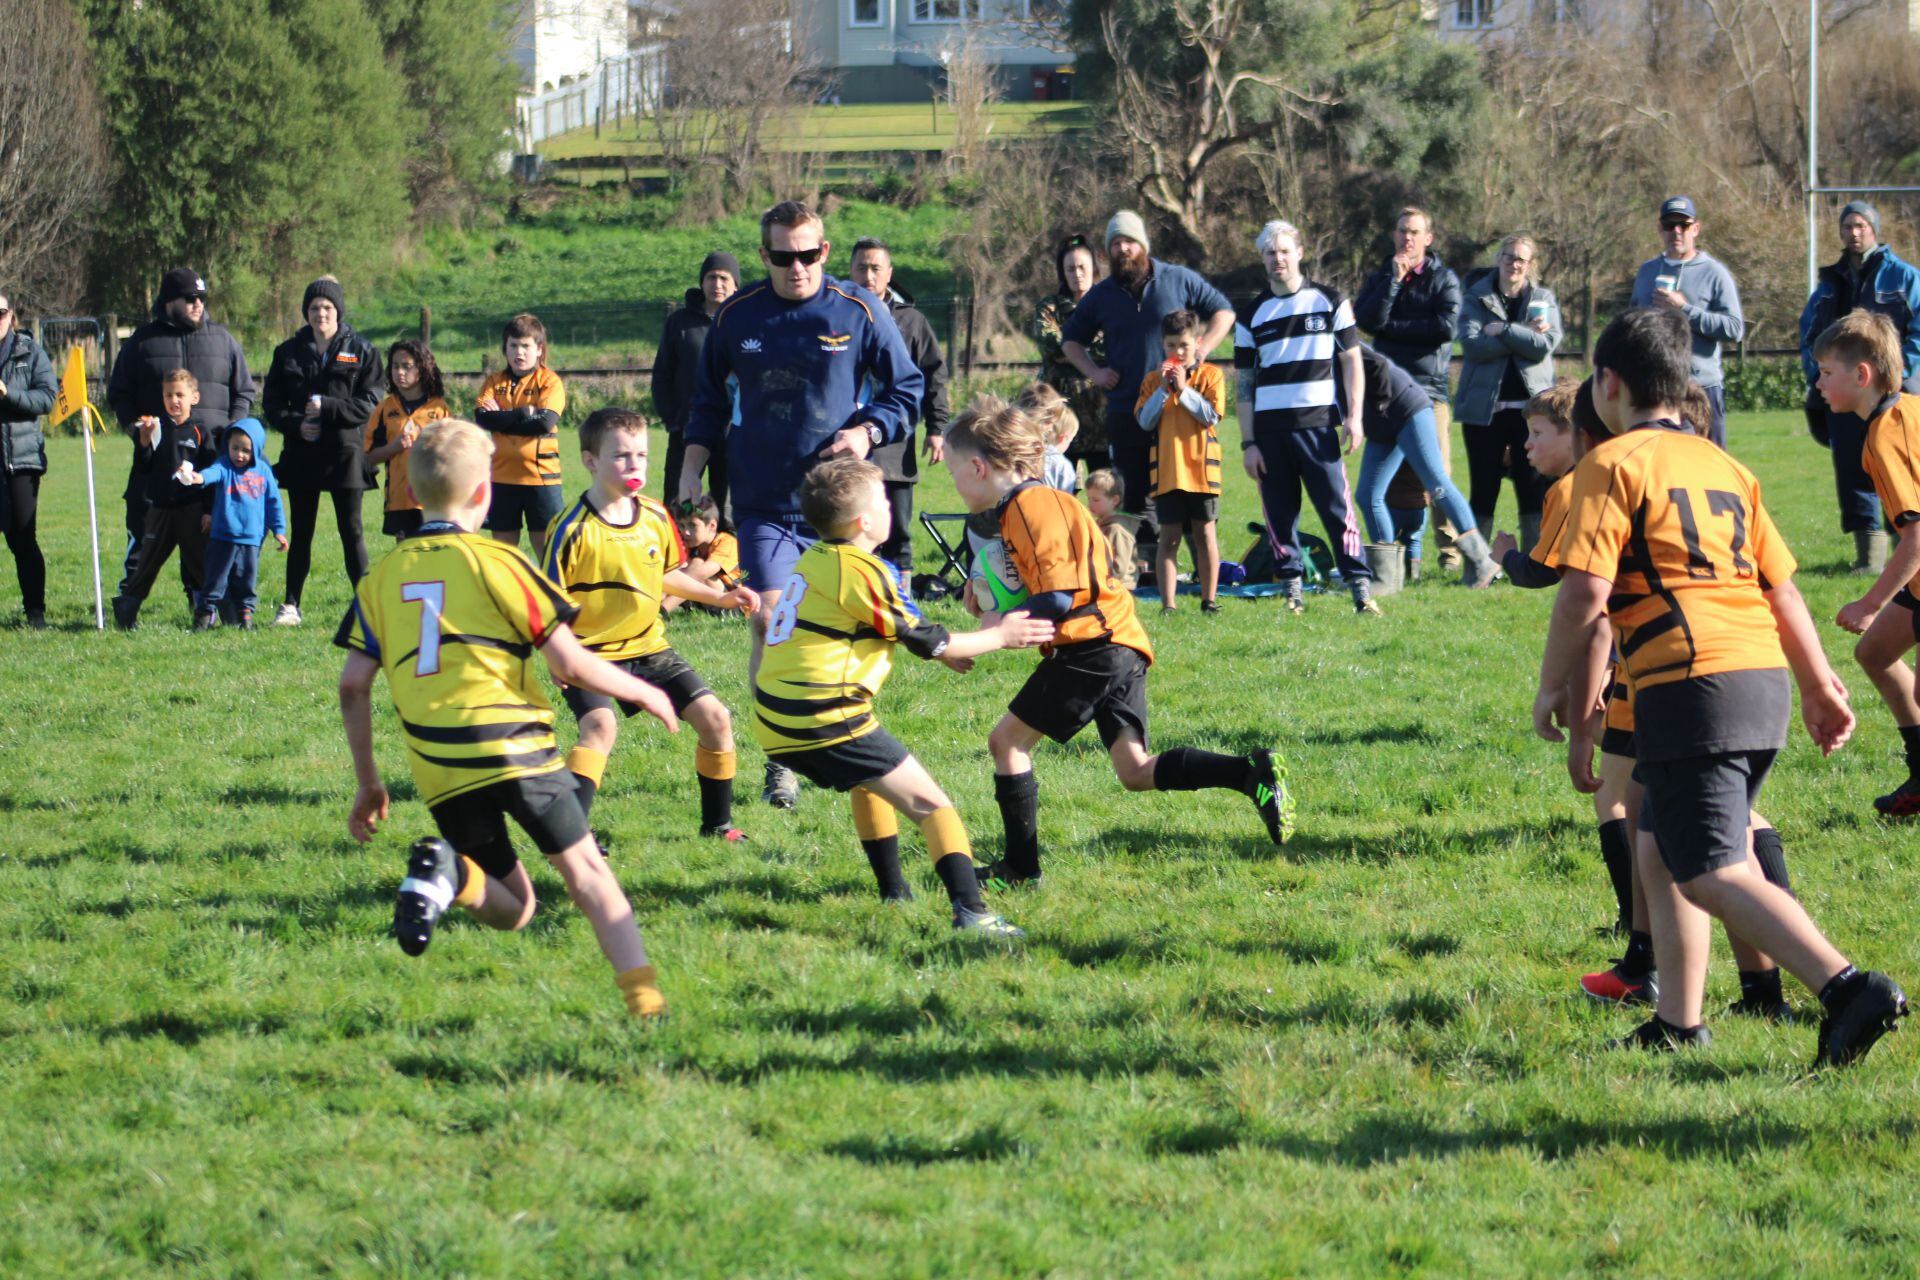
(454, 618)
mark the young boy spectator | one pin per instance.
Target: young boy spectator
(1859, 358)
(521, 406)
(713, 554)
(1667, 541)
(1095, 668)
(454, 618)
(1058, 425)
(617, 554)
(1106, 491)
(829, 649)
(175, 511)
(246, 507)
(1182, 402)
(1551, 450)
(418, 399)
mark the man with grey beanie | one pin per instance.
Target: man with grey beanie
(1693, 282)
(1867, 277)
(1127, 308)
(676, 366)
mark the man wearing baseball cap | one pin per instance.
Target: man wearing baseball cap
(179, 336)
(1867, 277)
(1693, 282)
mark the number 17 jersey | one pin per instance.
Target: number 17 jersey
(454, 619)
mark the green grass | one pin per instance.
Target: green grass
(1356, 1056)
(880, 126)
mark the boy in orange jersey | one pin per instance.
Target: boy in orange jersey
(1182, 402)
(521, 406)
(1095, 669)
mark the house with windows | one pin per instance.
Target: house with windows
(1481, 20)
(558, 42)
(897, 50)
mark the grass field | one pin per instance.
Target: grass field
(1356, 1056)
(859, 127)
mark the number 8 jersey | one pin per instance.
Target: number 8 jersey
(453, 619)
(1678, 527)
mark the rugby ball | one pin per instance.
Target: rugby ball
(995, 582)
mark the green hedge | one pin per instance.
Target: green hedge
(1775, 382)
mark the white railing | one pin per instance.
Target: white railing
(619, 88)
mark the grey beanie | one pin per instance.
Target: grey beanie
(721, 260)
(1127, 223)
(1865, 210)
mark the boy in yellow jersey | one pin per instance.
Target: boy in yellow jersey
(1860, 366)
(1095, 668)
(617, 555)
(521, 407)
(1667, 541)
(454, 620)
(830, 645)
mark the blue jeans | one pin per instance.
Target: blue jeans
(1419, 446)
(231, 570)
(1859, 506)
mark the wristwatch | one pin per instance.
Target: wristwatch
(874, 434)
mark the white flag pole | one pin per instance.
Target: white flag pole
(93, 522)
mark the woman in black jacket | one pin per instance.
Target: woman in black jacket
(677, 363)
(27, 391)
(321, 389)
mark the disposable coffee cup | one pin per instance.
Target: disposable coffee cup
(1537, 309)
(1666, 282)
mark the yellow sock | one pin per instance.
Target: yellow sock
(588, 763)
(642, 994)
(945, 834)
(717, 765)
(873, 818)
(476, 887)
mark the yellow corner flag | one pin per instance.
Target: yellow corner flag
(73, 388)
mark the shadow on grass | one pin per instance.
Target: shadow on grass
(1390, 1139)
(912, 1061)
(756, 884)
(275, 793)
(189, 1029)
(990, 1142)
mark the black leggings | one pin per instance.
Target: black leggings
(303, 509)
(22, 515)
(1497, 452)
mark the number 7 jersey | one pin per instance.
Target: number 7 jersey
(1677, 526)
(454, 619)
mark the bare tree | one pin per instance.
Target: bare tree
(53, 154)
(972, 91)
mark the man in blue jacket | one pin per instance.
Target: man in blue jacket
(1868, 277)
(800, 344)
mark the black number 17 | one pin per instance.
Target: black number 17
(1719, 503)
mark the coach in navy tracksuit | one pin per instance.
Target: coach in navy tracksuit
(800, 344)
(1290, 344)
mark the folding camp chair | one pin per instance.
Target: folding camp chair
(956, 557)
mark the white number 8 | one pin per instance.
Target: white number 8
(780, 623)
(432, 599)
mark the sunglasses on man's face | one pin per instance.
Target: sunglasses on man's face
(787, 257)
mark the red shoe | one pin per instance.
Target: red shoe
(1610, 986)
(1901, 802)
(732, 835)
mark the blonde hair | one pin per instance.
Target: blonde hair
(1696, 410)
(1004, 435)
(1057, 421)
(1555, 404)
(1863, 337)
(833, 493)
(448, 462)
(1519, 238)
(1108, 483)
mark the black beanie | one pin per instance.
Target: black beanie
(329, 288)
(721, 260)
(181, 282)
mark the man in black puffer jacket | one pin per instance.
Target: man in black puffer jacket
(678, 364)
(178, 337)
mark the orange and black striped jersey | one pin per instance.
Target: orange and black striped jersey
(1056, 546)
(517, 458)
(1678, 528)
(1553, 522)
(1892, 458)
(614, 573)
(830, 647)
(1184, 455)
(453, 619)
(389, 419)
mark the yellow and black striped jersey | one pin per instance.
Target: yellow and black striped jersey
(614, 573)
(453, 619)
(829, 648)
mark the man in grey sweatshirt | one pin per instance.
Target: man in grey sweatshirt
(1693, 282)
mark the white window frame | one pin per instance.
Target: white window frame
(1481, 14)
(880, 18)
(969, 11)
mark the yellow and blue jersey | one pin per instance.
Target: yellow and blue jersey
(614, 573)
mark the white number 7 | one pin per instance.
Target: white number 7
(432, 598)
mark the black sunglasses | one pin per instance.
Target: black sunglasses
(787, 257)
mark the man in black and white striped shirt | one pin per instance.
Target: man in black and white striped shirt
(1290, 344)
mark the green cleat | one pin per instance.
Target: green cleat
(1270, 795)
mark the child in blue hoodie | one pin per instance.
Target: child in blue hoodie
(246, 504)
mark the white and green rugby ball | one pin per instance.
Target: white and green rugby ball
(995, 582)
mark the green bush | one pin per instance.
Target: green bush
(1773, 383)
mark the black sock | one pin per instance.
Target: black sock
(883, 855)
(585, 788)
(1772, 857)
(956, 872)
(1190, 769)
(716, 802)
(1840, 988)
(1638, 962)
(1019, 797)
(1760, 986)
(1910, 739)
(1616, 850)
